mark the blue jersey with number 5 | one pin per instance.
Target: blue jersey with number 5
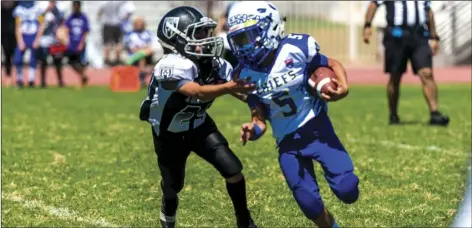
(283, 88)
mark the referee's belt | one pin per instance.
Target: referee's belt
(408, 27)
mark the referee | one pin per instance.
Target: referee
(410, 35)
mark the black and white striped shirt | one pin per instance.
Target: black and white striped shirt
(406, 13)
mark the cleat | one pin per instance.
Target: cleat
(439, 120)
(167, 221)
(245, 222)
(394, 119)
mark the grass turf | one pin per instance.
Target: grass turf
(84, 153)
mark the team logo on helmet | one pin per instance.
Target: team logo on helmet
(170, 21)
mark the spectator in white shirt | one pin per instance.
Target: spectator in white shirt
(140, 40)
(113, 14)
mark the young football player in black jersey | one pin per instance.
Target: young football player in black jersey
(184, 84)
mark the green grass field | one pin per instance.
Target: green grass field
(82, 158)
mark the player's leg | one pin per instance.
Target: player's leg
(107, 39)
(75, 60)
(422, 63)
(18, 62)
(83, 67)
(117, 36)
(338, 168)
(212, 146)
(33, 64)
(171, 158)
(8, 45)
(42, 56)
(300, 176)
(395, 65)
(57, 61)
(142, 72)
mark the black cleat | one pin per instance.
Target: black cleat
(31, 84)
(439, 119)
(394, 119)
(19, 84)
(245, 222)
(167, 221)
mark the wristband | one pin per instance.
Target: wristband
(367, 25)
(257, 133)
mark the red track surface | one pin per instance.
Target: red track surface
(357, 76)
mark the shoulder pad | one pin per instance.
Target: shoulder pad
(174, 67)
(305, 43)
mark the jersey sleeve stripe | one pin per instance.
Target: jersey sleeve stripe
(319, 60)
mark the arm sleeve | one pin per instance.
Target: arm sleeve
(253, 101)
(315, 59)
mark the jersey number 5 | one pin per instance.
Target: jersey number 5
(283, 99)
(295, 37)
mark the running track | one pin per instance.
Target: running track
(356, 76)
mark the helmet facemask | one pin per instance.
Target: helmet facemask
(198, 39)
(253, 43)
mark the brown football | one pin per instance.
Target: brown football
(320, 80)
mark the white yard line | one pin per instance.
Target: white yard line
(407, 146)
(61, 213)
(463, 217)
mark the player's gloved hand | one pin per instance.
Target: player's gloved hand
(247, 130)
(237, 85)
(338, 94)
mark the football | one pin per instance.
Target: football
(320, 80)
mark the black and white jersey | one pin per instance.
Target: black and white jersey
(406, 13)
(171, 111)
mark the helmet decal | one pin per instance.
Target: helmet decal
(170, 21)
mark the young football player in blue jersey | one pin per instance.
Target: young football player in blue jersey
(280, 66)
(29, 29)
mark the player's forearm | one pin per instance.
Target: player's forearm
(84, 38)
(209, 92)
(369, 16)
(432, 24)
(339, 71)
(41, 28)
(40, 31)
(204, 92)
(19, 37)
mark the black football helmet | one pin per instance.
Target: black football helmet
(187, 31)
